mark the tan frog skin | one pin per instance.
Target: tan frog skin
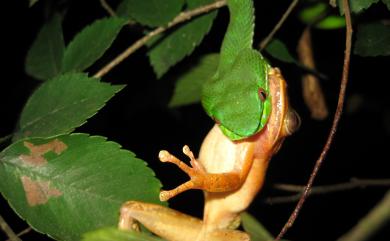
(229, 172)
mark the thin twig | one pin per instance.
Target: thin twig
(23, 232)
(7, 230)
(5, 138)
(339, 110)
(182, 17)
(107, 7)
(371, 223)
(353, 184)
(267, 39)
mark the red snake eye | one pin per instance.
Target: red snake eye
(262, 94)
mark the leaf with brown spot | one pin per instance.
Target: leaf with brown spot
(80, 186)
(36, 152)
(38, 192)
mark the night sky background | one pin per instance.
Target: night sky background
(138, 117)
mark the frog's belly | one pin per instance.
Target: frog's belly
(219, 154)
(222, 209)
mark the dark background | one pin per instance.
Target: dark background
(138, 117)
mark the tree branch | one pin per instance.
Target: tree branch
(107, 7)
(7, 230)
(339, 110)
(353, 184)
(182, 17)
(371, 223)
(267, 39)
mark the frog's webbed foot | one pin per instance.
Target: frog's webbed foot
(196, 172)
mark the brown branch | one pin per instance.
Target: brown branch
(353, 184)
(371, 223)
(107, 7)
(311, 87)
(339, 110)
(182, 17)
(7, 230)
(267, 39)
(112, 13)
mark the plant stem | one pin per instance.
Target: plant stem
(267, 39)
(354, 183)
(5, 138)
(336, 119)
(7, 230)
(371, 223)
(23, 232)
(182, 17)
(107, 7)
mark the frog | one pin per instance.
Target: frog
(230, 173)
(248, 100)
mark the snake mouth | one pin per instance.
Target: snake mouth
(292, 122)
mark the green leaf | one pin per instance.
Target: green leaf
(331, 22)
(356, 6)
(169, 49)
(372, 40)
(32, 2)
(110, 234)
(312, 14)
(44, 59)
(189, 84)
(387, 3)
(255, 229)
(278, 50)
(151, 12)
(62, 104)
(91, 43)
(71, 184)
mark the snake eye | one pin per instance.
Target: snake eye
(262, 94)
(292, 122)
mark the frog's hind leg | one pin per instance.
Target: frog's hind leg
(223, 235)
(172, 225)
(164, 222)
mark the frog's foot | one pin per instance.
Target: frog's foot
(196, 172)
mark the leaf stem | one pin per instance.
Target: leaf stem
(182, 17)
(371, 223)
(336, 119)
(7, 230)
(267, 39)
